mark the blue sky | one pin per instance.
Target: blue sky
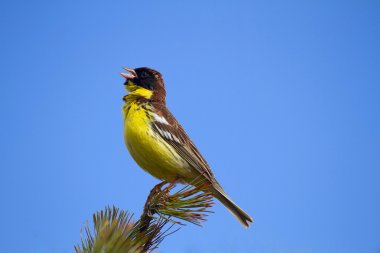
(281, 97)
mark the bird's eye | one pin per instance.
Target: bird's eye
(144, 75)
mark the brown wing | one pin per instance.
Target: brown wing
(173, 133)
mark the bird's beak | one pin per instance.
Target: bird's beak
(132, 73)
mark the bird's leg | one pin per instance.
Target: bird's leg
(178, 180)
(149, 209)
(157, 187)
(156, 192)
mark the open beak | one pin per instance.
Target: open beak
(132, 73)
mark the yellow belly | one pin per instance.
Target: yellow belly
(147, 148)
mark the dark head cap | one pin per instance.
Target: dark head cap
(147, 78)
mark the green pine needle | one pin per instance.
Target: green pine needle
(115, 232)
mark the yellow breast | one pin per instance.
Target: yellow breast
(147, 148)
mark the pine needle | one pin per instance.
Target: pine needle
(114, 230)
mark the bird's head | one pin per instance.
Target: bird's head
(145, 82)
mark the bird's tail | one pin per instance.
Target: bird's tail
(236, 211)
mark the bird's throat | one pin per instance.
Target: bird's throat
(136, 91)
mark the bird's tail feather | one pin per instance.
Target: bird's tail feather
(236, 211)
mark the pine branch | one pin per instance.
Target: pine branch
(115, 232)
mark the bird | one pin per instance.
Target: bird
(159, 144)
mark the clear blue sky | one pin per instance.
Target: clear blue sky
(281, 97)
